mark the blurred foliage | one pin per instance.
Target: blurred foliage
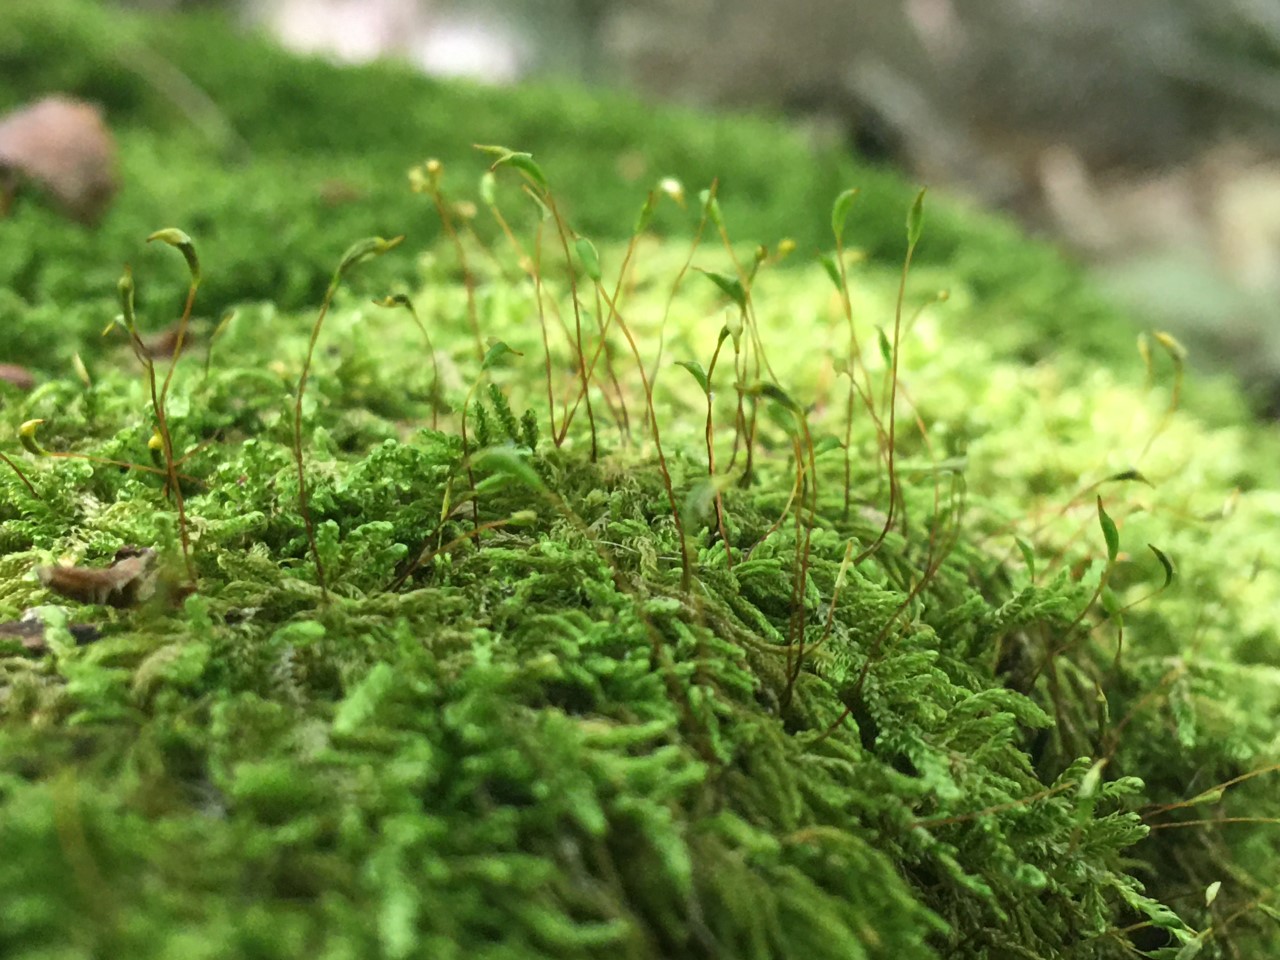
(1138, 86)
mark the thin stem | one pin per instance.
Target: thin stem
(620, 414)
(533, 269)
(686, 572)
(166, 438)
(466, 450)
(604, 331)
(123, 464)
(711, 459)
(21, 476)
(894, 490)
(577, 320)
(855, 363)
(675, 288)
(303, 500)
(798, 610)
(468, 279)
(1220, 788)
(755, 349)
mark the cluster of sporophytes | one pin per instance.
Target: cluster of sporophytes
(485, 630)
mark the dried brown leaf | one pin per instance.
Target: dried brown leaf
(130, 580)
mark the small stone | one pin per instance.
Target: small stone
(63, 146)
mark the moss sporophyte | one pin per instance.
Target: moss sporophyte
(813, 651)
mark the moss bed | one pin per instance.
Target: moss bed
(1008, 692)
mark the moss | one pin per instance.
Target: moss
(572, 731)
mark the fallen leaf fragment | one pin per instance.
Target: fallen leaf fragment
(30, 632)
(129, 580)
(64, 146)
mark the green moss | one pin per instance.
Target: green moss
(554, 740)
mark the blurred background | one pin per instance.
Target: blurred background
(1142, 136)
